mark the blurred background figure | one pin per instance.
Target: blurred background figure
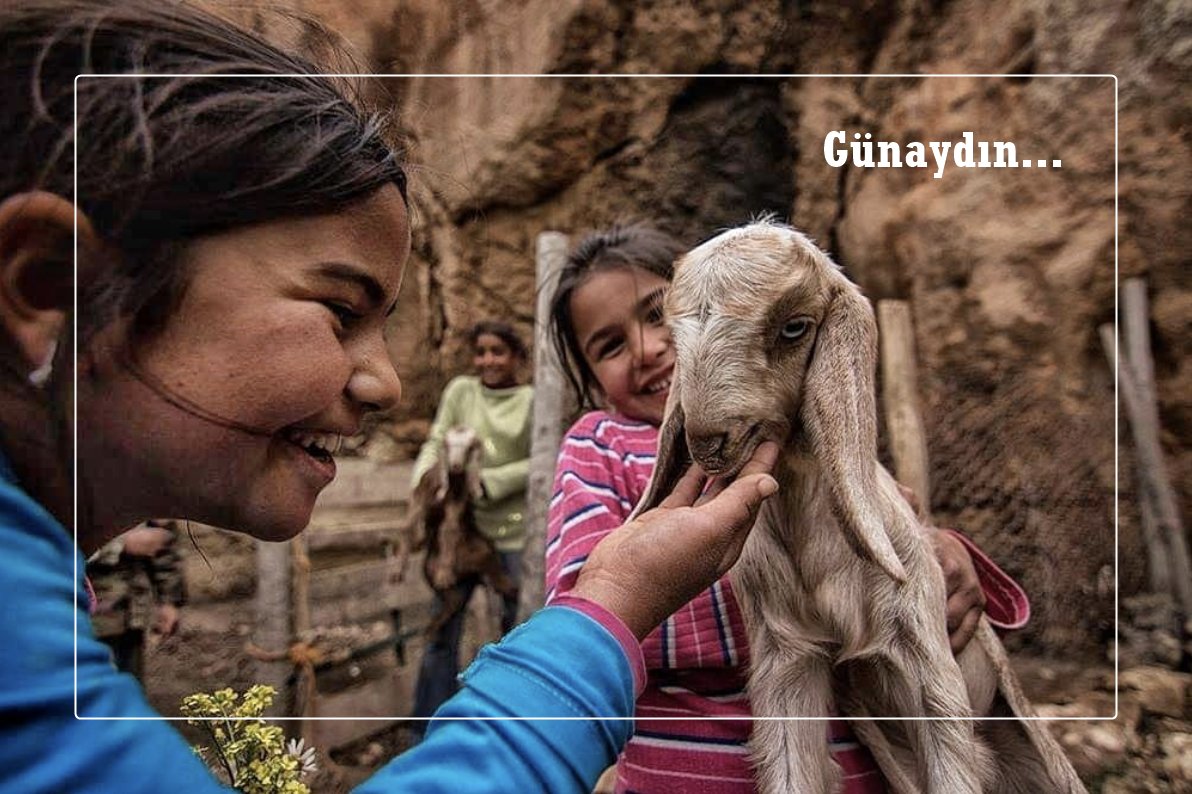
(497, 406)
(139, 588)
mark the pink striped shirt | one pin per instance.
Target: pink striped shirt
(696, 660)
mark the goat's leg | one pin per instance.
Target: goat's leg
(790, 755)
(949, 756)
(453, 601)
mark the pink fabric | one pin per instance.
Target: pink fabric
(616, 627)
(92, 601)
(696, 659)
(1006, 603)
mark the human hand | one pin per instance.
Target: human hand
(648, 568)
(167, 620)
(145, 541)
(966, 600)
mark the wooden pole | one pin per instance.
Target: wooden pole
(1153, 471)
(271, 626)
(550, 410)
(904, 422)
(1137, 332)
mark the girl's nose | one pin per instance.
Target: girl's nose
(650, 344)
(374, 382)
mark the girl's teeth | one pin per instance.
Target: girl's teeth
(324, 442)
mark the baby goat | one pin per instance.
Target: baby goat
(443, 523)
(840, 589)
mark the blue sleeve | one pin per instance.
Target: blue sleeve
(559, 664)
(44, 747)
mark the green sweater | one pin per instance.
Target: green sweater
(501, 417)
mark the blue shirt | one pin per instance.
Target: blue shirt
(560, 663)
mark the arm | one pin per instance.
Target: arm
(587, 503)
(580, 659)
(446, 416)
(506, 480)
(562, 663)
(46, 748)
(976, 586)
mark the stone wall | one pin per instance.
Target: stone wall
(1009, 271)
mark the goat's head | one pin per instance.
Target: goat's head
(773, 342)
(463, 454)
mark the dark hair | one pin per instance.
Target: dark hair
(163, 160)
(619, 246)
(503, 331)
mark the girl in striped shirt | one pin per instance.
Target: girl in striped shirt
(607, 326)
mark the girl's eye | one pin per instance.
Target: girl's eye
(794, 328)
(608, 349)
(344, 314)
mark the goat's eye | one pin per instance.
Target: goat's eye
(795, 328)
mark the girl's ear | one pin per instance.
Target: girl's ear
(37, 271)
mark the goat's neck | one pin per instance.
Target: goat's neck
(458, 499)
(802, 520)
(800, 483)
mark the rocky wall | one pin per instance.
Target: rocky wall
(1008, 271)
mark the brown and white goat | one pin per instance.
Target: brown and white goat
(443, 523)
(841, 592)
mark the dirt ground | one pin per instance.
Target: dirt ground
(1147, 750)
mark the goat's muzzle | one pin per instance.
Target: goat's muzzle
(724, 453)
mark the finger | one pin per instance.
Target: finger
(687, 490)
(959, 638)
(960, 604)
(736, 507)
(715, 487)
(760, 462)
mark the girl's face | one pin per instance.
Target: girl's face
(495, 361)
(275, 351)
(618, 322)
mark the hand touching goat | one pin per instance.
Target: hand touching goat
(841, 592)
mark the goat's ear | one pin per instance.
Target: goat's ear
(673, 455)
(838, 417)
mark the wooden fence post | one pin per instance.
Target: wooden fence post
(1137, 340)
(904, 422)
(271, 624)
(1170, 542)
(549, 413)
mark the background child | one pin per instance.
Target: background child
(498, 408)
(607, 326)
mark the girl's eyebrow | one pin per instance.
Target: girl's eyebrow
(354, 274)
(648, 301)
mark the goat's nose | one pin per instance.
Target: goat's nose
(707, 448)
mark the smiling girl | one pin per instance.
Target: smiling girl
(498, 409)
(608, 327)
(241, 232)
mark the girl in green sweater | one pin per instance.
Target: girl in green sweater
(497, 407)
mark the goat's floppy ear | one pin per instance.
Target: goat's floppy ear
(839, 418)
(673, 455)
